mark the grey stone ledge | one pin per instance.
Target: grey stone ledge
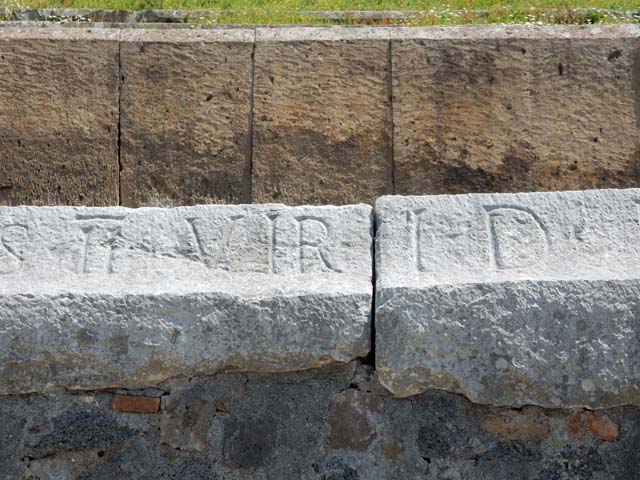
(511, 299)
(81, 32)
(321, 34)
(182, 32)
(226, 35)
(114, 297)
(542, 32)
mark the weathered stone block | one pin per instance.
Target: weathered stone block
(93, 298)
(321, 116)
(515, 108)
(185, 116)
(58, 116)
(511, 299)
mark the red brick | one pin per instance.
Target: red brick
(136, 404)
(601, 426)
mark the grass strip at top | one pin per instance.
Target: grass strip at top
(419, 12)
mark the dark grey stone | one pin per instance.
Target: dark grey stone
(331, 423)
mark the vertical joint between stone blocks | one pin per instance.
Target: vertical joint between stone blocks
(119, 124)
(247, 193)
(370, 359)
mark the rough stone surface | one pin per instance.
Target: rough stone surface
(185, 116)
(517, 108)
(511, 299)
(311, 120)
(58, 116)
(283, 426)
(321, 116)
(95, 298)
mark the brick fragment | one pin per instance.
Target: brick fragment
(600, 426)
(136, 404)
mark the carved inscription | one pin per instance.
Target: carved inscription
(437, 241)
(213, 243)
(313, 233)
(13, 240)
(173, 243)
(415, 237)
(518, 237)
(270, 243)
(100, 235)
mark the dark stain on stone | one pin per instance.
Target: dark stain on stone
(511, 452)
(338, 469)
(249, 442)
(516, 166)
(472, 68)
(5, 194)
(315, 168)
(178, 173)
(445, 176)
(73, 431)
(614, 55)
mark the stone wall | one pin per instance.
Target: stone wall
(336, 423)
(498, 338)
(440, 337)
(142, 116)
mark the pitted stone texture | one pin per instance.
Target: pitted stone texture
(95, 298)
(515, 108)
(58, 116)
(321, 116)
(511, 299)
(309, 426)
(185, 116)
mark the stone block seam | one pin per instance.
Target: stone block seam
(223, 115)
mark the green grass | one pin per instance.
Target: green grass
(432, 12)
